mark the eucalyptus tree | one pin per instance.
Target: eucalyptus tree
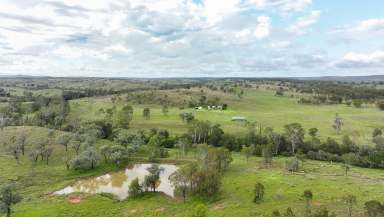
(8, 197)
(295, 133)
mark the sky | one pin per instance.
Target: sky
(191, 38)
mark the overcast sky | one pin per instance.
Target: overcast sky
(187, 38)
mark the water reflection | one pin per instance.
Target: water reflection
(117, 183)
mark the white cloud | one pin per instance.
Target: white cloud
(302, 23)
(158, 37)
(282, 5)
(364, 28)
(361, 60)
(263, 27)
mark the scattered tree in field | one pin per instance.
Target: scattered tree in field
(357, 103)
(47, 153)
(147, 113)
(151, 180)
(293, 164)
(180, 180)
(248, 151)
(15, 151)
(67, 160)
(165, 109)
(346, 169)
(313, 132)
(64, 140)
(259, 193)
(135, 188)
(374, 208)
(267, 154)
(34, 155)
(124, 117)
(349, 200)
(338, 123)
(295, 134)
(187, 117)
(21, 142)
(8, 197)
(308, 199)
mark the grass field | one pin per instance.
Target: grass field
(283, 189)
(260, 106)
(37, 182)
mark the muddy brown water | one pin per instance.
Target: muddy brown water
(117, 183)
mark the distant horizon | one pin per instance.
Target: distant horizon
(186, 77)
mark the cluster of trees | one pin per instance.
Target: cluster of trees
(43, 111)
(203, 177)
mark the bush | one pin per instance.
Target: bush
(259, 193)
(135, 188)
(293, 164)
(380, 104)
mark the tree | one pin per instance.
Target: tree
(8, 197)
(91, 155)
(165, 109)
(374, 208)
(180, 180)
(105, 150)
(292, 164)
(337, 123)
(295, 134)
(313, 132)
(64, 140)
(134, 188)
(151, 180)
(15, 151)
(47, 153)
(76, 145)
(86, 160)
(21, 141)
(248, 151)
(124, 117)
(259, 193)
(118, 155)
(187, 117)
(267, 154)
(34, 155)
(349, 200)
(357, 103)
(308, 198)
(146, 113)
(346, 169)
